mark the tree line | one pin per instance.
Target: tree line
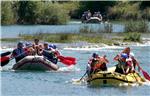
(60, 12)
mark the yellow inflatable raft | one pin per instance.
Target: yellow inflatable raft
(113, 78)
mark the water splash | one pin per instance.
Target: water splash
(69, 68)
(147, 83)
(89, 48)
(6, 68)
(77, 81)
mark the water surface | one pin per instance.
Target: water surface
(13, 31)
(29, 83)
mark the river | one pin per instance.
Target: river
(31, 83)
(12, 31)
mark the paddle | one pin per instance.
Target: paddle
(67, 60)
(83, 76)
(5, 53)
(145, 74)
(5, 60)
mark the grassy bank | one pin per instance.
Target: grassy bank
(99, 38)
(106, 38)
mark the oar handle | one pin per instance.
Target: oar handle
(83, 75)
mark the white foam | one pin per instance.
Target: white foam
(147, 83)
(69, 68)
(92, 48)
(6, 49)
(78, 81)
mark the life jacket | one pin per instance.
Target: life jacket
(18, 51)
(100, 63)
(19, 54)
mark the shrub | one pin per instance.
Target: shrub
(135, 37)
(7, 13)
(54, 14)
(125, 10)
(137, 26)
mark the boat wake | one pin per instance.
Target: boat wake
(6, 68)
(147, 83)
(69, 68)
(77, 81)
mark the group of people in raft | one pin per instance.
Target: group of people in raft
(126, 60)
(87, 15)
(126, 63)
(49, 51)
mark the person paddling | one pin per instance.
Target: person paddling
(37, 47)
(28, 48)
(19, 51)
(49, 53)
(97, 63)
(126, 62)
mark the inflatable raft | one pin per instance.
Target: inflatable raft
(35, 63)
(112, 78)
(93, 20)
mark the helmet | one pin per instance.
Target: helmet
(28, 44)
(54, 46)
(50, 45)
(94, 55)
(20, 43)
(124, 55)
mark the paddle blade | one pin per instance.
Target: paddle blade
(70, 58)
(5, 54)
(146, 75)
(4, 60)
(67, 61)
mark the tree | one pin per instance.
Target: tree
(29, 12)
(7, 13)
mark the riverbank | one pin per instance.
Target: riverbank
(94, 40)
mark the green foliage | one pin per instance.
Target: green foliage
(29, 12)
(125, 10)
(7, 13)
(59, 12)
(10, 39)
(137, 26)
(66, 38)
(146, 13)
(35, 12)
(54, 14)
(135, 37)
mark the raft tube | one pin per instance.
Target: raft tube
(103, 78)
(35, 63)
(93, 20)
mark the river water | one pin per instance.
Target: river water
(13, 31)
(32, 83)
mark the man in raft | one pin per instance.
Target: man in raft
(37, 47)
(19, 53)
(97, 63)
(50, 53)
(126, 62)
